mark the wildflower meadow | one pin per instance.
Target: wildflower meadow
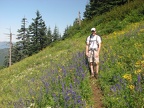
(61, 85)
(122, 68)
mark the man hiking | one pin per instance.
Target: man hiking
(93, 46)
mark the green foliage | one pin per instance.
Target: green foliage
(117, 18)
(97, 7)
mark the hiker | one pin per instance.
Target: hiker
(93, 46)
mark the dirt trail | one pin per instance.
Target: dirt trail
(97, 94)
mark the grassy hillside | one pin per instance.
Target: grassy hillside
(58, 76)
(57, 71)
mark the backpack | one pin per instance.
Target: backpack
(94, 40)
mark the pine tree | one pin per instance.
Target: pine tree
(66, 34)
(23, 39)
(98, 7)
(37, 31)
(20, 49)
(56, 35)
(49, 36)
(87, 12)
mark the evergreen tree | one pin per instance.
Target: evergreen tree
(76, 21)
(65, 32)
(24, 39)
(87, 12)
(56, 35)
(17, 53)
(98, 7)
(37, 31)
(49, 36)
(19, 50)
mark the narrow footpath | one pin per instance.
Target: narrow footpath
(97, 94)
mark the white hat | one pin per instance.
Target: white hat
(93, 29)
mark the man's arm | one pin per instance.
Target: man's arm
(86, 50)
(87, 47)
(99, 48)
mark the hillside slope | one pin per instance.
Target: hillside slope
(23, 77)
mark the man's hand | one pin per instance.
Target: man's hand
(97, 54)
(87, 54)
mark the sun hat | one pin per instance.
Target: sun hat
(93, 29)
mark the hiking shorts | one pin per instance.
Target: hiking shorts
(92, 56)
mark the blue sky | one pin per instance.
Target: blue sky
(58, 13)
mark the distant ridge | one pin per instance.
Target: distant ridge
(4, 45)
(3, 53)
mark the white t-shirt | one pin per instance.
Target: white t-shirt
(93, 41)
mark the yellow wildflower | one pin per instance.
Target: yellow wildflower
(138, 71)
(131, 87)
(138, 63)
(120, 56)
(60, 70)
(38, 88)
(33, 97)
(142, 62)
(137, 45)
(127, 77)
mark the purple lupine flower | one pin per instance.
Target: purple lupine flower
(113, 88)
(79, 99)
(54, 97)
(19, 104)
(118, 86)
(139, 79)
(138, 84)
(121, 81)
(64, 71)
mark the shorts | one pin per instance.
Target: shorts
(92, 56)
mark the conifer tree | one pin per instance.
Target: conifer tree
(20, 48)
(23, 39)
(98, 7)
(66, 34)
(37, 31)
(56, 35)
(49, 36)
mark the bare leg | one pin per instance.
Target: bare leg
(97, 68)
(91, 67)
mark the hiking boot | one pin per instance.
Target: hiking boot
(92, 75)
(96, 76)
